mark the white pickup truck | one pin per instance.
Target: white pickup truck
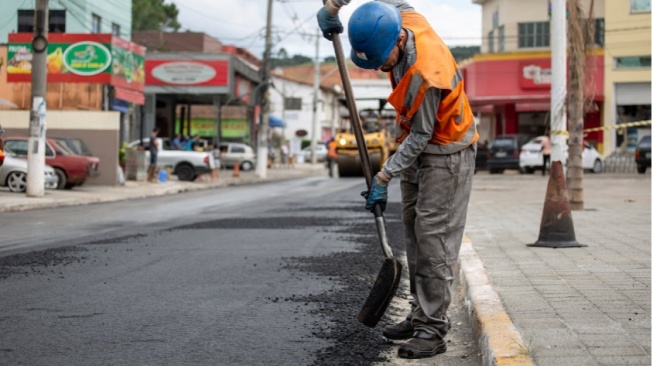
(186, 165)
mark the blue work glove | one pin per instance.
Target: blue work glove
(377, 195)
(328, 23)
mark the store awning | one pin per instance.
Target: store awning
(129, 95)
(276, 122)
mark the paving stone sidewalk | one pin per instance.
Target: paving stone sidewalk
(575, 306)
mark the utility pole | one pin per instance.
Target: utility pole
(262, 149)
(558, 80)
(316, 95)
(36, 140)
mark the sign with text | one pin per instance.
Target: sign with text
(187, 72)
(535, 74)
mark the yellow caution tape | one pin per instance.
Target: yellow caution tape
(619, 126)
(559, 132)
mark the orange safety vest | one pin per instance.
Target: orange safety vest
(331, 153)
(434, 67)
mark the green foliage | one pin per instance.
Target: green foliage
(284, 60)
(154, 15)
(464, 52)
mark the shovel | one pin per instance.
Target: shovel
(388, 280)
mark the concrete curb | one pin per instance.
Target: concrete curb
(500, 342)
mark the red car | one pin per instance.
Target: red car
(71, 169)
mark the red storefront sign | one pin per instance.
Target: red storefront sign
(535, 74)
(526, 80)
(187, 72)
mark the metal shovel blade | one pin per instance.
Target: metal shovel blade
(382, 293)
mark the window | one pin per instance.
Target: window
(56, 21)
(599, 31)
(640, 6)
(502, 38)
(293, 104)
(237, 150)
(115, 29)
(534, 35)
(490, 41)
(632, 62)
(96, 23)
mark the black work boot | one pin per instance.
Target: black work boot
(403, 330)
(422, 345)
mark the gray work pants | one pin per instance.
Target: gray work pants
(435, 193)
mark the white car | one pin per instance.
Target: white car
(13, 174)
(530, 157)
(320, 151)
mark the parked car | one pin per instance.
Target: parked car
(530, 158)
(504, 152)
(75, 144)
(232, 152)
(72, 170)
(643, 154)
(482, 152)
(13, 173)
(321, 151)
(186, 165)
(92, 162)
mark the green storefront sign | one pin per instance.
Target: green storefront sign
(87, 58)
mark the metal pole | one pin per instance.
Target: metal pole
(316, 95)
(262, 149)
(558, 79)
(36, 141)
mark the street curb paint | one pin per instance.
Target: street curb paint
(500, 342)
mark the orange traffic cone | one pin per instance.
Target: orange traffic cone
(236, 173)
(557, 227)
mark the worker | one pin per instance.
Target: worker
(154, 153)
(332, 155)
(434, 159)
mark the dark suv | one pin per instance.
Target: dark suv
(504, 152)
(643, 154)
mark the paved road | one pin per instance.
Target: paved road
(265, 274)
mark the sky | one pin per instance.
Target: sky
(242, 23)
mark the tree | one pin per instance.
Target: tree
(154, 15)
(580, 41)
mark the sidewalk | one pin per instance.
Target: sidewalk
(89, 194)
(576, 306)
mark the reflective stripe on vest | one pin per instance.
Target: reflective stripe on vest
(434, 67)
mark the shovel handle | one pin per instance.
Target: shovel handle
(353, 112)
(360, 141)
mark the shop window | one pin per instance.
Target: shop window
(640, 6)
(632, 62)
(534, 35)
(56, 21)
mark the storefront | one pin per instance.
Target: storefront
(510, 93)
(85, 73)
(205, 94)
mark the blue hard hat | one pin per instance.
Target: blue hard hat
(373, 31)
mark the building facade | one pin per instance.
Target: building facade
(509, 83)
(627, 85)
(69, 16)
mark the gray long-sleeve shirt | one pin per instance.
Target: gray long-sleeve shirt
(423, 122)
